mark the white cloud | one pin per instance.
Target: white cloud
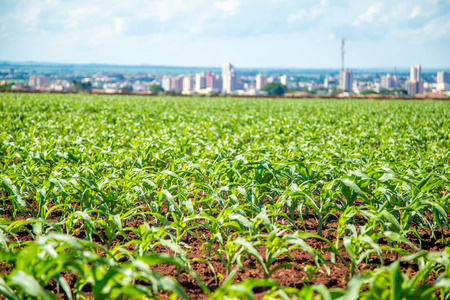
(368, 15)
(228, 7)
(432, 31)
(314, 13)
(120, 24)
(298, 16)
(415, 12)
(109, 27)
(319, 9)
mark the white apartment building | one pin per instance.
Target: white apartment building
(228, 78)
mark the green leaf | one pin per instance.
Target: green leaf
(30, 286)
(7, 291)
(242, 220)
(355, 188)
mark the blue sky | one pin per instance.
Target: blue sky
(248, 33)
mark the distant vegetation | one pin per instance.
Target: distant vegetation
(80, 86)
(156, 88)
(5, 88)
(275, 88)
(126, 89)
(368, 92)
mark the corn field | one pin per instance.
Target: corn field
(128, 197)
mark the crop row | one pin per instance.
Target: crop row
(133, 198)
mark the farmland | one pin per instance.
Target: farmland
(137, 197)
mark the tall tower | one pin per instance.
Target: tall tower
(345, 76)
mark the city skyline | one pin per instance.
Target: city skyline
(207, 82)
(263, 34)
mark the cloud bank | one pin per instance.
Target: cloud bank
(285, 33)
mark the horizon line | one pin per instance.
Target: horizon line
(25, 62)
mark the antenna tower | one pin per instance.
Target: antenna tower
(343, 52)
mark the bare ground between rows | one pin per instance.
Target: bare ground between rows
(289, 276)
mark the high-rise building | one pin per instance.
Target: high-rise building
(326, 82)
(443, 77)
(32, 81)
(188, 83)
(228, 78)
(260, 81)
(443, 81)
(167, 83)
(177, 83)
(284, 79)
(240, 85)
(209, 79)
(414, 87)
(200, 81)
(217, 83)
(415, 83)
(388, 82)
(346, 80)
(415, 73)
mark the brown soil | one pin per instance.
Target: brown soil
(290, 276)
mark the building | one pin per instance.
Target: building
(177, 83)
(388, 82)
(346, 80)
(443, 77)
(240, 85)
(252, 92)
(200, 81)
(415, 83)
(217, 83)
(414, 87)
(38, 82)
(272, 79)
(228, 78)
(330, 82)
(167, 83)
(443, 81)
(260, 81)
(284, 79)
(210, 79)
(415, 73)
(188, 83)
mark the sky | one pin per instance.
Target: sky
(248, 33)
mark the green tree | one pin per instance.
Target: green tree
(368, 92)
(80, 86)
(275, 88)
(400, 92)
(336, 91)
(156, 88)
(126, 89)
(6, 88)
